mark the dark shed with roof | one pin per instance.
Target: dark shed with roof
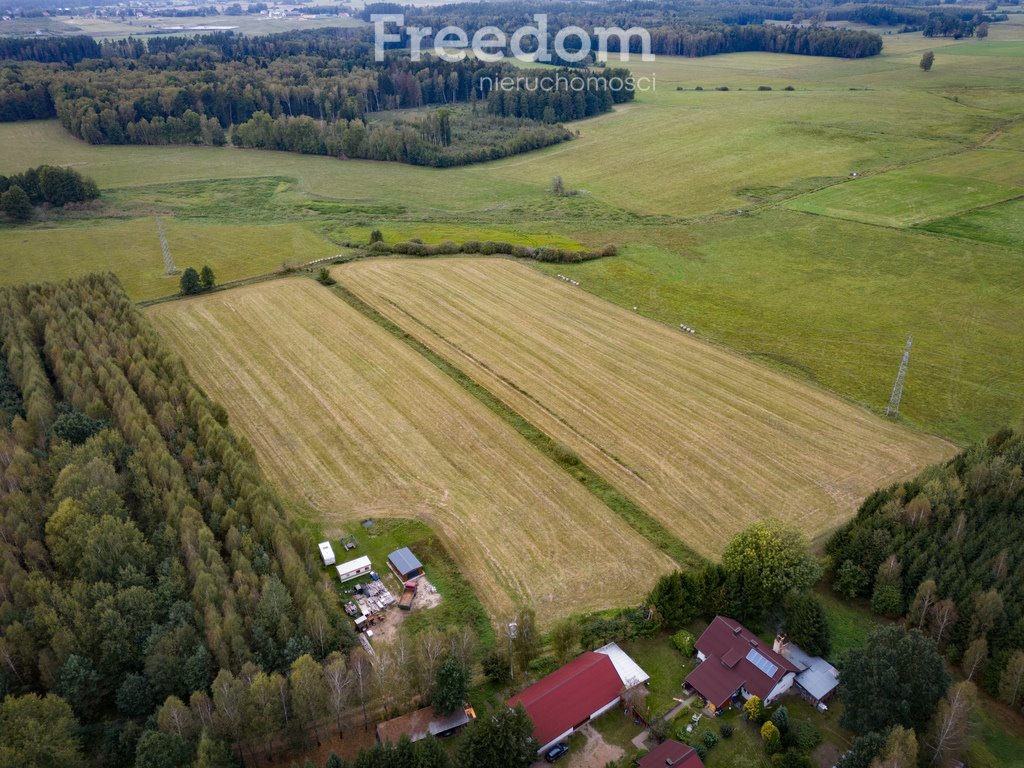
(405, 564)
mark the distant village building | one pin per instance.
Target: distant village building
(422, 723)
(584, 689)
(736, 664)
(354, 568)
(405, 564)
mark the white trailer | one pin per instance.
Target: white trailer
(354, 568)
(327, 552)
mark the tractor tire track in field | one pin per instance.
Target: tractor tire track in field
(512, 385)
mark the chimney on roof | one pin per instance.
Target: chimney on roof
(753, 643)
(735, 630)
(780, 641)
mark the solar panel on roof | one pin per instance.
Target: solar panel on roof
(761, 663)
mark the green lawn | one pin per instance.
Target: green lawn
(666, 666)
(849, 624)
(618, 729)
(995, 744)
(741, 750)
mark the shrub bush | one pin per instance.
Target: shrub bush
(805, 736)
(683, 641)
(764, 87)
(726, 730)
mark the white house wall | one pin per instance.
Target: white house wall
(554, 741)
(606, 708)
(783, 685)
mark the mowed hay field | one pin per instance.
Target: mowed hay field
(707, 441)
(354, 423)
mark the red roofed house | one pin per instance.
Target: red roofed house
(671, 753)
(585, 688)
(733, 660)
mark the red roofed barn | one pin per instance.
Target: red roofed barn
(733, 660)
(582, 690)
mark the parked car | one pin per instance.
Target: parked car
(557, 751)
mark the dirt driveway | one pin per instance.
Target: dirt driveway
(595, 753)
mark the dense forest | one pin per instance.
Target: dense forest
(142, 558)
(305, 93)
(946, 551)
(676, 29)
(440, 139)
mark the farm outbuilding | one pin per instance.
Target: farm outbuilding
(584, 689)
(817, 680)
(405, 564)
(422, 723)
(327, 552)
(354, 568)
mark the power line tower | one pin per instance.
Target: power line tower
(169, 268)
(897, 388)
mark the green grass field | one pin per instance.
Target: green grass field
(1001, 224)
(903, 198)
(132, 249)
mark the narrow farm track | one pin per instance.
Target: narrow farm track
(352, 422)
(705, 440)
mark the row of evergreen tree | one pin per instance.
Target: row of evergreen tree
(141, 553)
